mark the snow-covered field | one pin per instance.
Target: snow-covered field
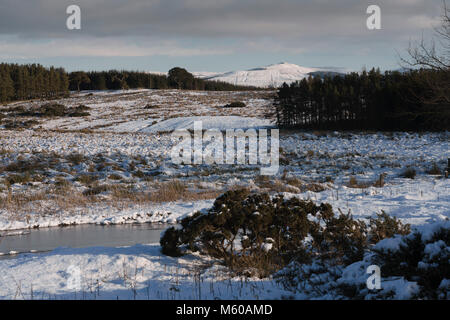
(114, 166)
(208, 122)
(134, 110)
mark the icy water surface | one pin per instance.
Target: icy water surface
(41, 240)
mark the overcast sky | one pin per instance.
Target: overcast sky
(211, 35)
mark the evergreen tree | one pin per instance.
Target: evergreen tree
(6, 84)
(365, 101)
(78, 78)
(180, 78)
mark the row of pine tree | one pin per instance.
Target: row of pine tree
(22, 82)
(177, 78)
(365, 101)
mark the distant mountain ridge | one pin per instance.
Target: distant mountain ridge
(270, 76)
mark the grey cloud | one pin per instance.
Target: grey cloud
(37, 28)
(213, 18)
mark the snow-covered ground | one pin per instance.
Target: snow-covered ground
(208, 122)
(137, 272)
(416, 202)
(125, 143)
(134, 110)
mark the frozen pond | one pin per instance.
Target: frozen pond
(41, 240)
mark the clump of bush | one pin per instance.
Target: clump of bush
(354, 183)
(422, 258)
(385, 226)
(61, 182)
(14, 109)
(27, 165)
(257, 234)
(235, 104)
(434, 170)
(87, 179)
(13, 124)
(413, 266)
(18, 178)
(79, 111)
(151, 106)
(54, 110)
(75, 158)
(409, 173)
(138, 174)
(115, 176)
(95, 190)
(45, 110)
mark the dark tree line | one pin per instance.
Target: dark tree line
(364, 101)
(177, 78)
(115, 80)
(20, 82)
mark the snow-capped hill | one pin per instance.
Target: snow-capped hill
(270, 76)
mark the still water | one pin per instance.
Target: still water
(41, 240)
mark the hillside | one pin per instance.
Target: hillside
(264, 77)
(271, 76)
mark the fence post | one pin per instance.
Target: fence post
(447, 170)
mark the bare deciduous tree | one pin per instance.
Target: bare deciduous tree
(433, 55)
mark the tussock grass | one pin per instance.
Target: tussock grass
(175, 190)
(287, 184)
(274, 185)
(115, 176)
(353, 182)
(75, 158)
(95, 190)
(18, 178)
(13, 201)
(63, 196)
(28, 165)
(87, 179)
